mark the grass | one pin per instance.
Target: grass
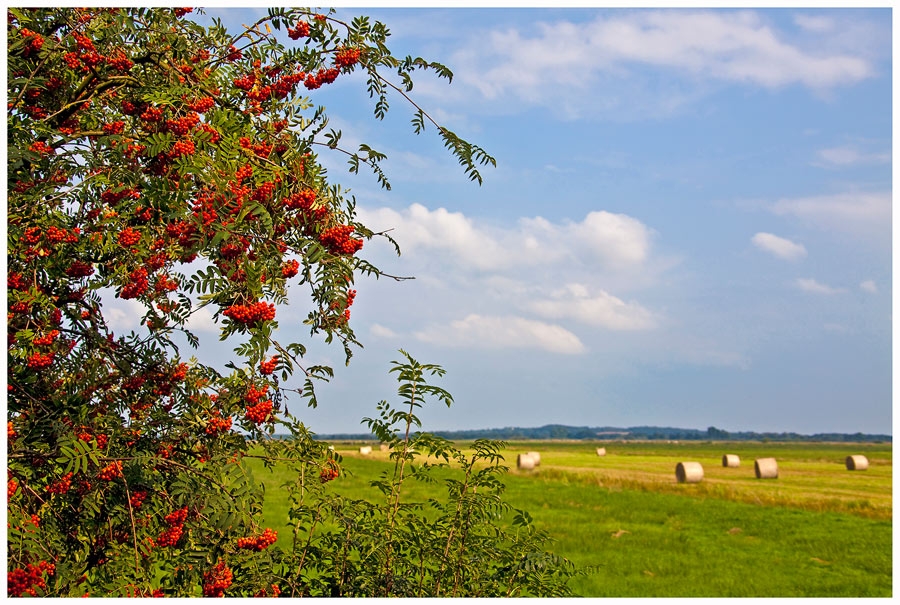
(817, 530)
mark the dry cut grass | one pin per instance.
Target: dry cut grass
(810, 477)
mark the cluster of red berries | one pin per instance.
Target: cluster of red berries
(202, 105)
(57, 235)
(179, 373)
(150, 114)
(290, 268)
(181, 148)
(329, 472)
(62, 486)
(265, 593)
(11, 486)
(118, 61)
(245, 82)
(80, 269)
(217, 424)
(32, 235)
(175, 522)
(137, 499)
(35, 41)
(21, 581)
(15, 281)
(260, 412)
(41, 148)
(114, 197)
(111, 471)
(337, 240)
(217, 580)
(183, 125)
(128, 237)
(37, 361)
(233, 54)
(301, 199)
(102, 439)
(10, 431)
(323, 76)
(263, 192)
(46, 339)
(181, 12)
(261, 542)
(267, 367)
(346, 57)
(250, 314)
(263, 150)
(300, 31)
(116, 127)
(138, 284)
(87, 56)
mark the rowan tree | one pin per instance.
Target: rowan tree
(177, 165)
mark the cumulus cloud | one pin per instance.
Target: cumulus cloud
(868, 286)
(811, 285)
(602, 309)
(779, 246)
(729, 46)
(122, 315)
(502, 332)
(201, 320)
(615, 241)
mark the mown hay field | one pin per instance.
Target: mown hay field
(816, 530)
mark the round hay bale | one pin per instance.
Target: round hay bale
(536, 456)
(766, 468)
(731, 461)
(857, 463)
(525, 462)
(689, 472)
(365, 450)
(601, 451)
(384, 447)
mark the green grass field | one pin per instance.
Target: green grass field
(816, 530)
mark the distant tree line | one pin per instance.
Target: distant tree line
(558, 431)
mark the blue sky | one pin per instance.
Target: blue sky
(689, 224)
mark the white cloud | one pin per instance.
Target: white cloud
(815, 23)
(380, 331)
(603, 309)
(865, 214)
(849, 156)
(201, 320)
(868, 286)
(615, 241)
(494, 332)
(123, 315)
(729, 46)
(811, 285)
(779, 246)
